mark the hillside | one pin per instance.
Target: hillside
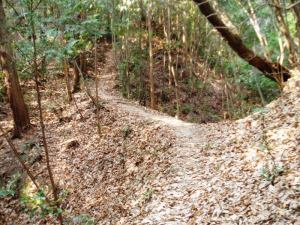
(150, 112)
(149, 168)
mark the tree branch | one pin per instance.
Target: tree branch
(274, 71)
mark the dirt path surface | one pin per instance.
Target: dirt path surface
(176, 194)
(213, 177)
(145, 167)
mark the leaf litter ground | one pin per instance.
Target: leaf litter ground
(148, 168)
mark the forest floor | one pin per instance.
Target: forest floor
(140, 166)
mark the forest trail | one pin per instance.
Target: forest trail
(108, 93)
(111, 161)
(178, 194)
(145, 167)
(215, 169)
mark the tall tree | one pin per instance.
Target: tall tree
(296, 7)
(272, 70)
(284, 30)
(151, 76)
(142, 94)
(80, 62)
(255, 24)
(16, 100)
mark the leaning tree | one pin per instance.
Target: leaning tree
(272, 70)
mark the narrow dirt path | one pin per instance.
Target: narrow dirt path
(215, 175)
(145, 167)
(109, 94)
(176, 194)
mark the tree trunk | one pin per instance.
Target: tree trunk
(83, 64)
(274, 71)
(14, 93)
(76, 81)
(250, 11)
(65, 64)
(168, 37)
(296, 9)
(80, 61)
(284, 30)
(127, 57)
(142, 96)
(67, 79)
(151, 78)
(175, 73)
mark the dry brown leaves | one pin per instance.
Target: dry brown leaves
(146, 168)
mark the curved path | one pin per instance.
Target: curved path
(215, 174)
(177, 193)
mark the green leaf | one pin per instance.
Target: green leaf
(6, 192)
(83, 220)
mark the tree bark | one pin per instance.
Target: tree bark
(296, 9)
(14, 93)
(76, 81)
(168, 37)
(142, 94)
(255, 24)
(272, 70)
(284, 30)
(151, 76)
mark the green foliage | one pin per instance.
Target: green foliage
(260, 110)
(11, 187)
(36, 202)
(291, 21)
(29, 144)
(83, 220)
(66, 28)
(148, 194)
(270, 173)
(195, 83)
(130, 67)
(186, 108)
(253, 82)
(127, 130)
(62, 19)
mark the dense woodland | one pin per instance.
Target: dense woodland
(130, 84)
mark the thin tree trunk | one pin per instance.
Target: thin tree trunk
(127, 56)
(14, 93)
(151, 77)
(296, 9)
(43, 39)
(284, 30)
(282, 48)
(185, 40)
(83, 64)
(67, 78)
(169, 47)
(142, 97)
(76, 80)
(19, 158)
(274, 71)
(254, 22)
(41, 118)
(97, 88)
(112, 25)
(175, 74)
(66, 68)
(81, 61)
